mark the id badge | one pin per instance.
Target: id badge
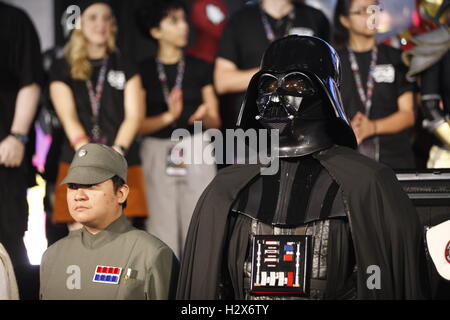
(281, 264)
(175, 163)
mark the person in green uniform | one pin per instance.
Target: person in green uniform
(107, 258)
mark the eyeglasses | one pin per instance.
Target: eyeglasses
(294, 83)
(367, 11)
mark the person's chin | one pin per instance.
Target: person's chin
(81, 216)
(182, 43)
(370, 32)
(99, 40)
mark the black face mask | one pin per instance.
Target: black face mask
(291, 103)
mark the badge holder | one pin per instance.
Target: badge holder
(175, 164)
(281, 265)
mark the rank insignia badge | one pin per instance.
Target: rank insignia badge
(281, 264)
(106, 274)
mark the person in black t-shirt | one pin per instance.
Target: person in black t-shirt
(376, 95)
(21, 77)
(98, 98)
(248, 33)
(179, 91)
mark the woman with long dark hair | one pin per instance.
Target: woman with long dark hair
(376, 95)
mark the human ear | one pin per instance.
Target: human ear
(344, 21)
(155, 33)
(122, 193)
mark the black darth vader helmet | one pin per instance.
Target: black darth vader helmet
(298, 83)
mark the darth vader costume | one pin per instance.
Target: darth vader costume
(318, 227)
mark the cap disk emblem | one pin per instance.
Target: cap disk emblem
(82, 153)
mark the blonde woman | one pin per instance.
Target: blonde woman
(98, 98)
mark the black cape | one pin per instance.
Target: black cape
(384, 226)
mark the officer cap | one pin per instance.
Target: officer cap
(95, 163)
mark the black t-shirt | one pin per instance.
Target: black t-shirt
(20, 61)
(197, 75)
(112, 110)
(244, 38)
(390, 83)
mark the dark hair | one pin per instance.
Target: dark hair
(117, 183)
(340, 33)
(151, 15)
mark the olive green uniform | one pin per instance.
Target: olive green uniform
(68, 268)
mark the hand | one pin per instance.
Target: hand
(363, 127)
(176, 103)
(12, 152)
(199, 114)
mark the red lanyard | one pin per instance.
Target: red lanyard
(95, 98)
(366, 98)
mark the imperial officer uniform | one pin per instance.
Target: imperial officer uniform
(119, 262)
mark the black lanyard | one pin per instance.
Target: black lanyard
(95, 98)
(163, 78)
(268, 29)
(370, 147)
(366, 98)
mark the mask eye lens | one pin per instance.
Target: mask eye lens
(267, 85)
(298, 85)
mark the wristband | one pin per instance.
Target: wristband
(75, 141)
(23, 138)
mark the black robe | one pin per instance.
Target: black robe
(384, 227)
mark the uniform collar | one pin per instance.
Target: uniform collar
(115, 229)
